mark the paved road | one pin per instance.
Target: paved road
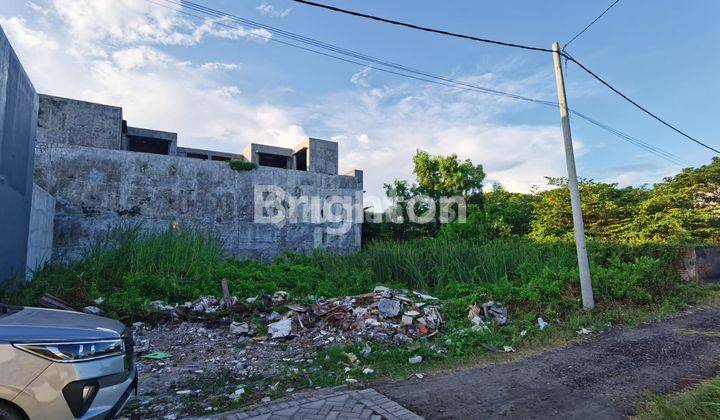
(600, 378)
(332, 404)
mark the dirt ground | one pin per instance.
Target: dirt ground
(601, 378)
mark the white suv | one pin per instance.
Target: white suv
(63, 365)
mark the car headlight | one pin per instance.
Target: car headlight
(74, 352)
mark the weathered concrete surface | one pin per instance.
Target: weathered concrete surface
(701, 264)
(600, 378)
(98, 189)
(18, 122)
(40, 237)
(322, 156)
(69, 121)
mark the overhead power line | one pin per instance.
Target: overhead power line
(591, 23)
(363, 59)
(422, 28)
(507, 44)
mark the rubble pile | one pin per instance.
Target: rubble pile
(259, 337)
(384, 316)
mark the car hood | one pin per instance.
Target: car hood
(39, 324)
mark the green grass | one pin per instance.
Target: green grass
(132, 268)
(700, 402)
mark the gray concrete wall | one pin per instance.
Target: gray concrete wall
(99, 189)
(18, 122)
(40, 237)
(69, 121)
(701, 264)
(323, 156)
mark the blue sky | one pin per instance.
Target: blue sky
(221, 88)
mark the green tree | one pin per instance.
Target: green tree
(608, 211)
(508, 214)
(447, 176)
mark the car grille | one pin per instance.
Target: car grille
(129, 344)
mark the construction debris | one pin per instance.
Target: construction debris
(415, 360)
(281, 328)
(92, 310)
(49, 301)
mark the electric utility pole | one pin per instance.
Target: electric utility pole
(585, 281)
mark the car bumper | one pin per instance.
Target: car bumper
(44, 398)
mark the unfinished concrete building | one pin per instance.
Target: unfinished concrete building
(106, 174)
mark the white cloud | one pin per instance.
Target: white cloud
(360, 78)
(267, 9)
(215, 65)
(139, 21)
(17, 29)
(37, 8)
(378, 128)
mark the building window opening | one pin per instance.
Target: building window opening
(145, 145)
(301, 159)
(196, 155)
(275, 161)
(220, 158)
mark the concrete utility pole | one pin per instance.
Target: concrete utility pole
(585, 280)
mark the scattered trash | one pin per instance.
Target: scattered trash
(184, 392)
(508, 349)
(281, 328)
(289, 390)
(99, 301)
(473, 312)
(493, 348)
(158, 355)
(419, 375)
(160, 306)
(495, 311)
(250, 300)
(351, 381)
(351, 357)
(584, 331)
(141, 346)
(280, 297)
(424, 296)
(381, 289)
(92, 310)
(266, 399)
(237, 394)
(542, 324)
(297, 308)
(415, 360)
(368, 371)
(523, 333)
(137, 325)
(479, 324)
(366, 350)
(274, 316)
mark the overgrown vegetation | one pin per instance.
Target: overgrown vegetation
(241, 165)
(700, 402)
(133, 268)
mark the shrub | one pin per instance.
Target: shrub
(241, 165)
